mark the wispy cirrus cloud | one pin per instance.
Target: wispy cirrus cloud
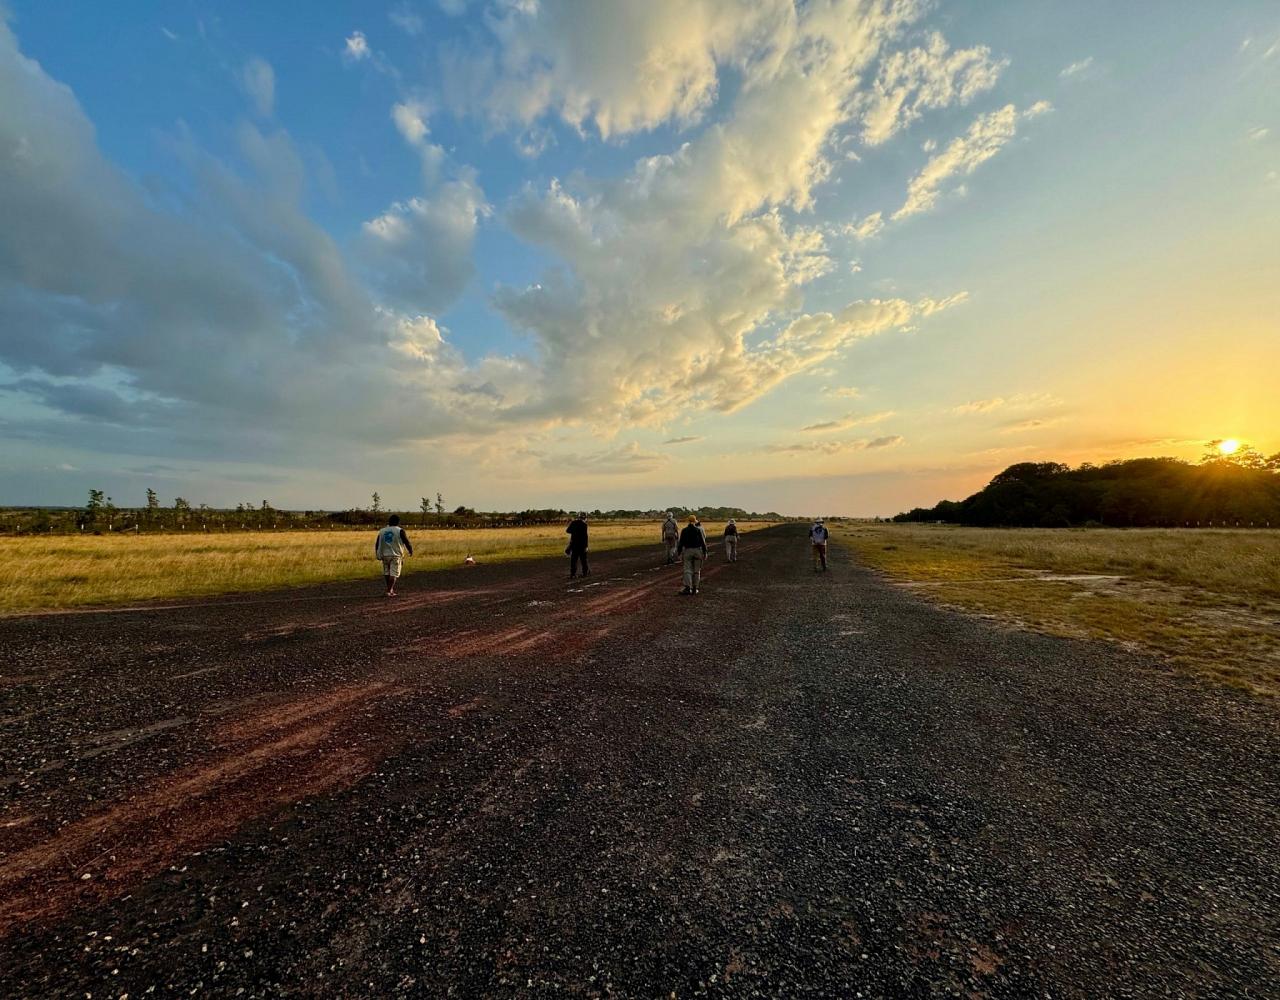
(849, 421)
(1019, 400)
(832, 447)
(687, 439)
(1030, 424)
(1077, 68)
(988, 134)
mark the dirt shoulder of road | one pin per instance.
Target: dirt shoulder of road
(1051, 582)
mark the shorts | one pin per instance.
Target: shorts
(391, 567)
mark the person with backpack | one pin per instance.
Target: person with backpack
(670, 537)
(576, 550)
(391, 546)
(731, 541)
(693, 546)
(818, 535)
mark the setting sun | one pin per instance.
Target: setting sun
(1229, 446)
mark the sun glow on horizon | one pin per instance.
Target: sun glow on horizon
(1228, 446)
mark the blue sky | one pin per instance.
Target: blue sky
(831, 256)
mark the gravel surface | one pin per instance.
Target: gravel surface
(502, 784)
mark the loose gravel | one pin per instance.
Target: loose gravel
(502, 784)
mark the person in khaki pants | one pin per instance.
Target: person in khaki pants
(693, 546)
(670, 537)
(731, 541)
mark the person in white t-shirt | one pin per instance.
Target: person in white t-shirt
(391, 546)
(818, 535)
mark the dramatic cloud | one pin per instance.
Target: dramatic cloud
(215, 315)
(618, 68)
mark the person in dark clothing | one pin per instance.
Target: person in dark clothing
(693, 546)
(391, 546)
(577, 547)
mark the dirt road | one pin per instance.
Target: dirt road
(501, 784)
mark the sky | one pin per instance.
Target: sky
(833, 256)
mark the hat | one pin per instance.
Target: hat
(731, 521)
(693, 519)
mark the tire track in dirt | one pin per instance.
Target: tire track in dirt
(274, 751)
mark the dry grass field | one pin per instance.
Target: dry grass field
(1206, 600)
(52, 572)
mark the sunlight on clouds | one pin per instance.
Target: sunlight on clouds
(988, 134)
(909, 83)
(672, 286)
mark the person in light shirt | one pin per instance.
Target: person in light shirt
(391, 546)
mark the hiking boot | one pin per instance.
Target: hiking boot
(685, 591)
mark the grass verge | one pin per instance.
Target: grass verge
(1207, 601)
(58, 571)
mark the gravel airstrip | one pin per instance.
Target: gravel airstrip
(502, 784)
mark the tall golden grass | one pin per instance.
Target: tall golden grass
(1207, 600)
(1237, 563)
(60, 571)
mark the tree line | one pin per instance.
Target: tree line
(1238, 489)
(101, 514)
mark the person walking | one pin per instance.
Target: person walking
(693, 546)
(391, 546)
(818, 535)
(577, 547)
(670, 537)
(731, 541)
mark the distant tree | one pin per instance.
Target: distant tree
(153, 501)
(96, 500)
(180, 504)
(376, 506)
(425, 508)
(1244, 457)
(266, 505)
(439, 503)
(1137, 492)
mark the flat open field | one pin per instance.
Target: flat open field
(65, 571)
(504, 784)
(1207, 600)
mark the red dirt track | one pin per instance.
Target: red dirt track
(254, 754)
(502, 783)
